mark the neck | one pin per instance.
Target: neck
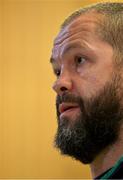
(107, 158)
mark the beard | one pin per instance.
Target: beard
(97, 125)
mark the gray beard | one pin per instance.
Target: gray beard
(95, 128)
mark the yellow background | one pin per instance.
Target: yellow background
(27, 102)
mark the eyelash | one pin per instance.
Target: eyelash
(78, 60)
(57, 72)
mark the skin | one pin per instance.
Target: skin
(83, 63)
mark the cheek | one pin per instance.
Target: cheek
(88, 85)
(87, 77)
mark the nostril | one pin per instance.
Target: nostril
(63, 89)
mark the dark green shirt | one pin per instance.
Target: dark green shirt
(116, 172)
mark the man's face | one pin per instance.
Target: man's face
(87, 102)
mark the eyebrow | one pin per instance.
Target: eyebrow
(68, 48)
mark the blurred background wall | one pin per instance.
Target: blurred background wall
(27, 102)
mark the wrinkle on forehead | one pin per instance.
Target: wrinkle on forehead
(81, 24)
(71, 33)
(81, 29)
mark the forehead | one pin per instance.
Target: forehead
(87, 21)
(79, 32)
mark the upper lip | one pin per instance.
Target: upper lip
(65, 106)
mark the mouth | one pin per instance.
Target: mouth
(68, 109)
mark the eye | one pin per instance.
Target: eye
(80, 60)
(57, 72)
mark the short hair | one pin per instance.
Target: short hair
(111, 27)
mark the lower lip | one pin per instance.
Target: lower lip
(70, 112)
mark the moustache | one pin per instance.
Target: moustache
(68, 98)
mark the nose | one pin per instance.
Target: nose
(63, 84)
